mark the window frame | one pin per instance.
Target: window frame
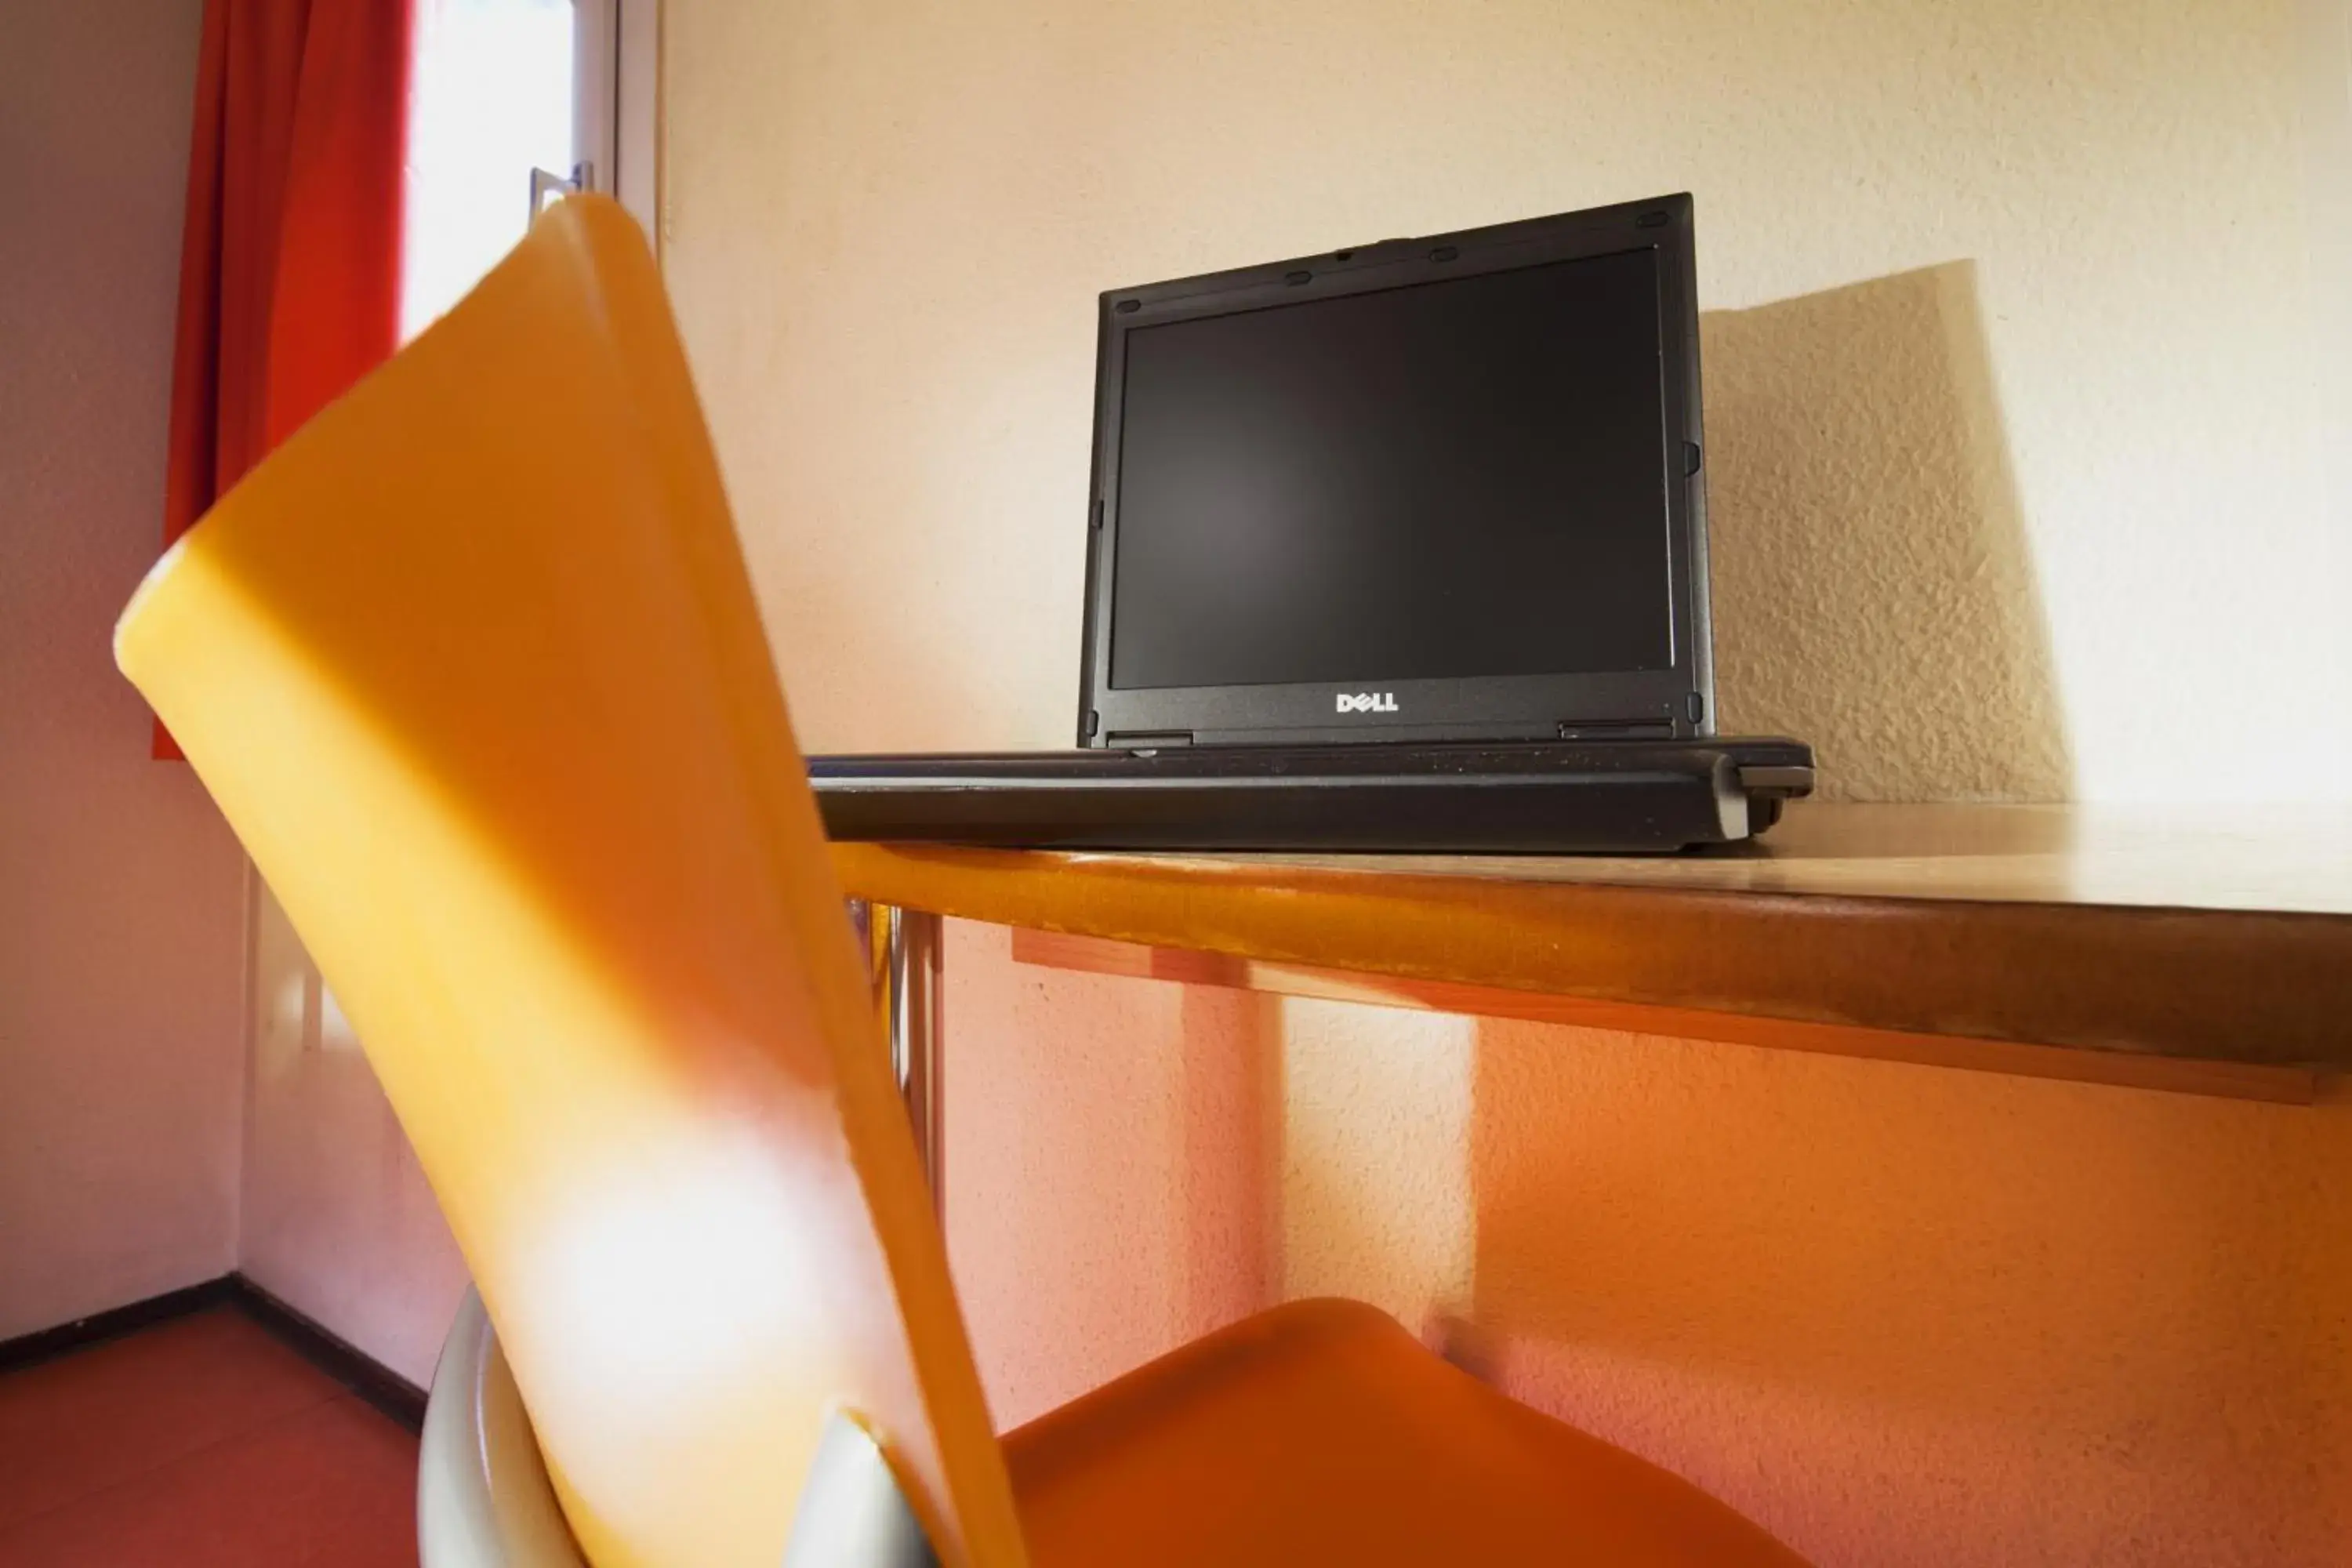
(617, 54)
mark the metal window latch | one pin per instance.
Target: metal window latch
(547, 187)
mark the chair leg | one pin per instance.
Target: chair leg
(483, 1499)
(852, 1513)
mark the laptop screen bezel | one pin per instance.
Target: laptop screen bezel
(1676, 700)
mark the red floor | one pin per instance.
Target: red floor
(201, 1442)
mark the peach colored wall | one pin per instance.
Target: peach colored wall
(2018, 360)
(120, 897)
(1902, 1315)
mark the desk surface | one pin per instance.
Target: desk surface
(2219, 936)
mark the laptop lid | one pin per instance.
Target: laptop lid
(1433, 489)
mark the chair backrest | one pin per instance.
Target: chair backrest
(473, 668)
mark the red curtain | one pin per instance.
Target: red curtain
(289, 261)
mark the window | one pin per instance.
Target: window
(512, 102)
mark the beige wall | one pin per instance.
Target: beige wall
(336, 1219)
(2062, 249)
(119, 889)
(2018, 376)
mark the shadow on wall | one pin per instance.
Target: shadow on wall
(2099, 1315)
(1872, 588)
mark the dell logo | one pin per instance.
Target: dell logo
(1368, 703)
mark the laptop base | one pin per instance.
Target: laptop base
(1544, 798)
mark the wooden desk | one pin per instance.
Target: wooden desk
(2205, 951)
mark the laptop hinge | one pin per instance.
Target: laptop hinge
(1147, 740)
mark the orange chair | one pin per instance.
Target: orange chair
(473, 668)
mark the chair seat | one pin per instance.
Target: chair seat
(1322, 1432)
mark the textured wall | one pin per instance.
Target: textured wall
(1908, 1315)
(1873, 581)
(120, 890)
(889, 222)
(2018, 388)
(1902, 1315)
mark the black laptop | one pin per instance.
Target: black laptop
(1402, 547)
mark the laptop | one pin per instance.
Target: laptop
(1398, 548)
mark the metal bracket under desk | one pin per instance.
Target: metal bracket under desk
(907, 951)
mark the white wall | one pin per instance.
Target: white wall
(120, 960)
(338, 1221)
(2324, 102)
(889, 222)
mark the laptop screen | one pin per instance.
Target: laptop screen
(1458, 479)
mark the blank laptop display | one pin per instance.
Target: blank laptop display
(1448, 480)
